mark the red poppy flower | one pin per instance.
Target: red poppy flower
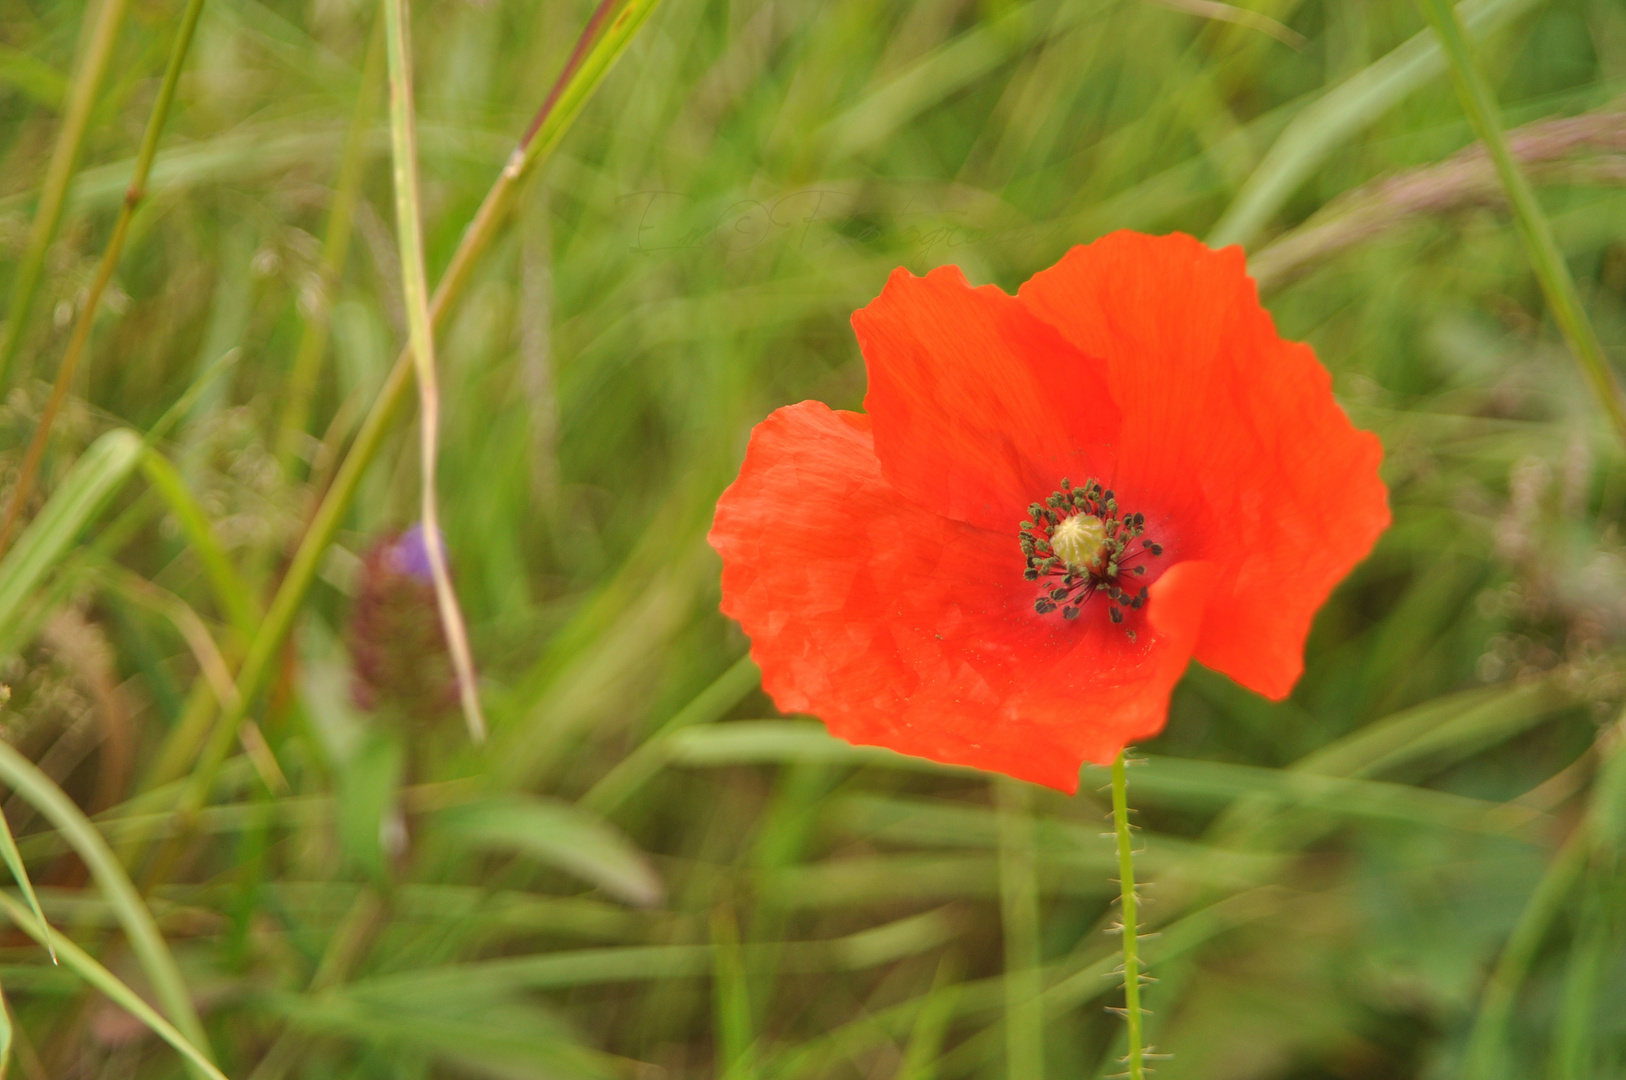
(1052, 502)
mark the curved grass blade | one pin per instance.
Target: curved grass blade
(23, 777)
(576, 841)
(14, 862)
(108, 983)
(232, 593)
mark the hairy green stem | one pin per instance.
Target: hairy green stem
(1128, 916)
(1545, 257)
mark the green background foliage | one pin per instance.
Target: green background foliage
(1409, 869)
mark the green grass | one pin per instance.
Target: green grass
(1411, 869)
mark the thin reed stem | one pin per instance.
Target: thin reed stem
(1546, 259)
(86, 83)
(415, 286)
(104, 273)
(1128, 916)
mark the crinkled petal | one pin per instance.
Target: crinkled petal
(902, 628)
(979, 408)
(1231, 440)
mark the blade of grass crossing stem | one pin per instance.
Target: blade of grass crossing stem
(1128, 911)
(104, 273)
(116, 991)
(1545, 257)
(1019, 916)
(85, 84)
(25, 778)
(578, 83)
(19, 873)
(415, 287)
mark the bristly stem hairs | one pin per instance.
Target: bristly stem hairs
(1127, 912)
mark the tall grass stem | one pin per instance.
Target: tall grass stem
(86, 83)
(1546, 259)
(415, 287)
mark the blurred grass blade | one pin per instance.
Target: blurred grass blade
(634, 770)
(1019, 919)
(731, 999)
(24, 778)
(117, 992)
(1486, 1054)
(33, 76)
(100, 470)
(231, 592)
(1598, 833)
(932, 1023)
(19, 873)
(317, 313)
(745, 742)
(5, 1020)
(83, 88)
(415, 286)
(1328, 122)
(1447, 729)
(1545, 257)
(572, 839)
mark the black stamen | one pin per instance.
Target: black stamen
(1104, 570)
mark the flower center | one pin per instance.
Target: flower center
(1079, 540)
(1079, 543)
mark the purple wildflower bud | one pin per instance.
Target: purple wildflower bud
(396, 642)
(410, 555)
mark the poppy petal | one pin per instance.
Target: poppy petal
(979, 408)
(1228, 430)
(906, 629)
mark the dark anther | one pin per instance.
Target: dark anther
(1071, 585)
